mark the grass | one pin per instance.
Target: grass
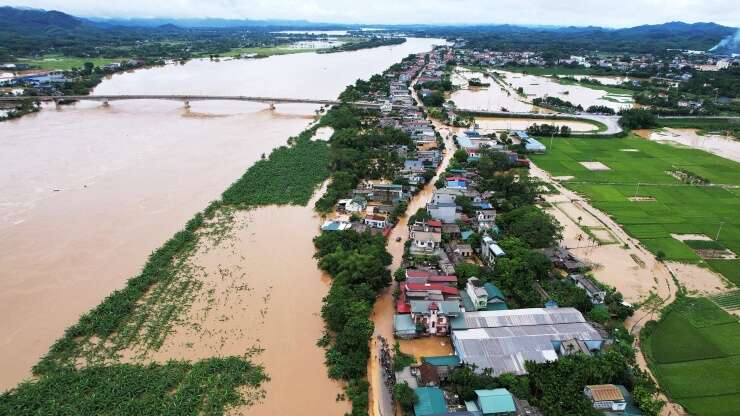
(265, 52)
(695, 353)
(64, 63)
(728, 301)
(728, 268)
(208, 387)
(678, 208)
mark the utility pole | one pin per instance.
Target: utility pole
(718, 231)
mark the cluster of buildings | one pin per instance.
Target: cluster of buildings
(373, 202)
(697, 60)
(484, 333)
(49, 82)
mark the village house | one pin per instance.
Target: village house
(376, 221)
(496, 402)
(443, 211)
(425, 236)
(356, 204)
(426, 276)
(478, 295)
(433, 317)
(486, 219)
(606, 397)
(490, 250)
(564, 259)
(595, 293)
(435, 369)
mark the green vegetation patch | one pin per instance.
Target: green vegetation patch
(724, 405)
(289, 176)
(698, 378)
(694, 351)
(674, 207)
(727, 268)
(729, 300)
(207, 387)
(65, 63)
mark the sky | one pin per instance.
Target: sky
(619, 13)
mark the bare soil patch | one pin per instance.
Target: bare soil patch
(595, 166)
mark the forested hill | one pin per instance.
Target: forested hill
(640, 39)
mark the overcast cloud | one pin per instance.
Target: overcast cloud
(615, 13)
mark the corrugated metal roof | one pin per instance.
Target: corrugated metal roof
(504, 340)
(431, 401)
(495, 401)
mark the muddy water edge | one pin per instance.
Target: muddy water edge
(107, 185)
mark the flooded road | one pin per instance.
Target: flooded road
(90, 191)
(384, 307)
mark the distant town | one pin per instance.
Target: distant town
(491, 220)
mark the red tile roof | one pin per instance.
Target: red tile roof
(432, 286)
(434, 223)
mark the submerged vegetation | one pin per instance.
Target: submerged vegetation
(138, 317)
(358, 264)
(207, 387)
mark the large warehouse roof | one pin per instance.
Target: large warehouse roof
(505, 340)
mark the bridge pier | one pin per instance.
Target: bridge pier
(272, 106)
(187, 104)
(105, 103)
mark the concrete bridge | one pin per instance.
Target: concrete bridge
(271, 101)
(611, 122)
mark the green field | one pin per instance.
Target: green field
(64, 63)
(266, 51)
(694, 350)
(674, 208)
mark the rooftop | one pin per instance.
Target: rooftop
(431, 401)
(495, 401)
(605, 392)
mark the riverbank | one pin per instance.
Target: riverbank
(104, 188)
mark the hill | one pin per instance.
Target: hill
(639, 39)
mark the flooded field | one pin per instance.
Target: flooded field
(262, 288)
(723, 146)
(90, 191)
(503, 92)
(491, 124)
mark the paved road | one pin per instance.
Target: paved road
(611, 122)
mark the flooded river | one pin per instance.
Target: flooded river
(89, 191)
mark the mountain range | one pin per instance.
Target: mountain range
(22, 31)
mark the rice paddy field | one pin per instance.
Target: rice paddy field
(694, 351)
(651, 190)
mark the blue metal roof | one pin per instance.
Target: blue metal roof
(431, 401)
(443, 360)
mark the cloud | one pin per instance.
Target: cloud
(544, 12)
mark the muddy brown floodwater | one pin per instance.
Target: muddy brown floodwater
(89, 191)
(502, 93)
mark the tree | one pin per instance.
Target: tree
(461, 156)
(535, 227)
(637, 119)
(405, 396)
